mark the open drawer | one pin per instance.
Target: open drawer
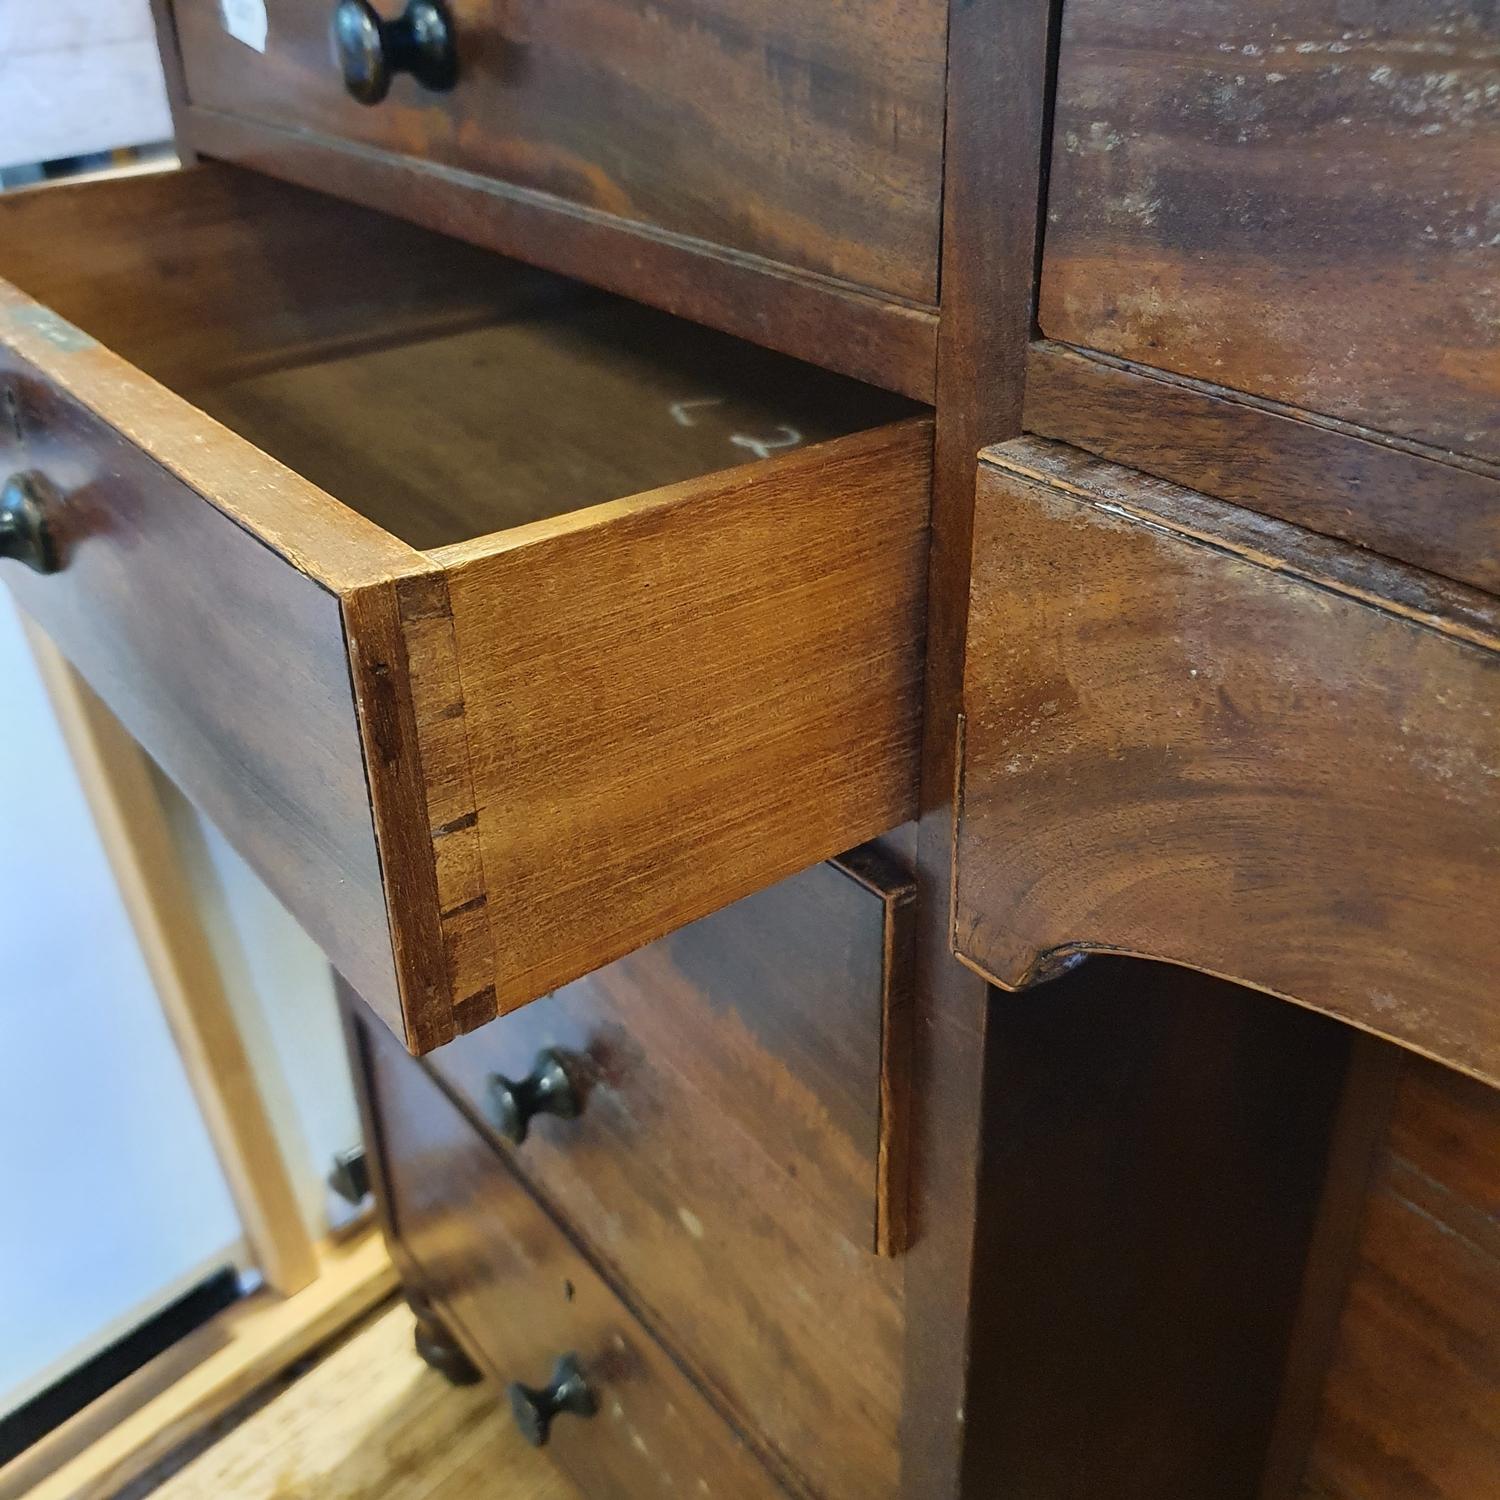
(613, 620)
(1194, 733)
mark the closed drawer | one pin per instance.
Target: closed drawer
(804, 133)
(521, 1297)
(739, 1132)
(1195, 734)
(1291, 200)
(482, 723)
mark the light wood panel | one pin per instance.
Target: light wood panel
(745, 646)
(1196, 734)
(369, 1421)
(177, 1395)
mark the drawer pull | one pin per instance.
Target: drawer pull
(534, 1409)
(370, 52)
(25, 531)
(546, 1090)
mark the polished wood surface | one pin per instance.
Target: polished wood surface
(739, 1061)
(1197, 734)
(737, 696)
(806, 134)
(1292, 200)
(1412, 1401)
(519, 1296)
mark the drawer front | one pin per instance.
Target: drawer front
(569, 732)
(737, 1130)
(805, 133)
(1294, 200)
(521, 1297)
(1194, 734)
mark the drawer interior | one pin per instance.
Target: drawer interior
(443, 392)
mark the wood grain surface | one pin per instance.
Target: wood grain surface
(724, 1167)
(1412, 1402)
(1196, 734)
(1400, 499)
(673, 700)
(369, 1420)
(807, 134)
(737, 696)
(828, 323)
(1293, 200)
(519, 1296)
(574, 399)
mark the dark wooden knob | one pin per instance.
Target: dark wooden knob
(28, 504)
(534, 1409)
(546, 1090)
(370, 52)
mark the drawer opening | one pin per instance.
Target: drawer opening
(572, 399)
(442, 391)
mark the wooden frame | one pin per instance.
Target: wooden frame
(179, 1393)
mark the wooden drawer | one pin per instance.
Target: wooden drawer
(1291, 199)
(1195, 734)
(800, 136)
(1270, 266)
(737, 1132)
(481, 724)
(520, 1297)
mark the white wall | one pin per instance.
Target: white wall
(76, 77)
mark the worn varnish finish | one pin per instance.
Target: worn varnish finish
(1196, 734)
(739, 1062)
(518, 1295)
(1346, 482)
(1293, 200)
(806, 134)
(724, 670)
(1412, 1400)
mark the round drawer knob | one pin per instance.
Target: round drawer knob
(534, 1409)
(370, 52)
(27, 504)
(546, 1090)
